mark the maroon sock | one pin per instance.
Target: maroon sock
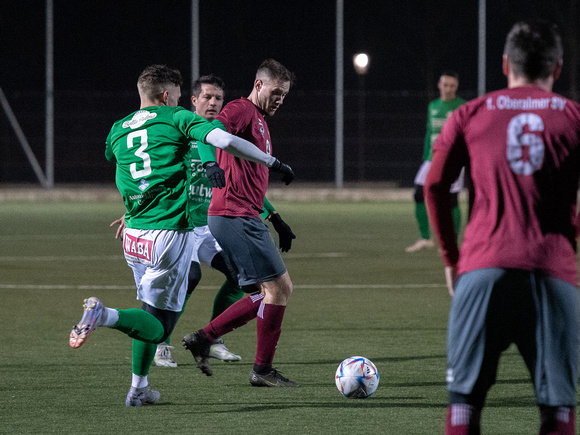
(462, 419)
(269, 327)
(557, 420)
(237, 314)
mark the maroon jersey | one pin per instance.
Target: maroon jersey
(246, 182)
(523, 148)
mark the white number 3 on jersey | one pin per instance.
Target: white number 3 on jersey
(518, 142)
(142, 135)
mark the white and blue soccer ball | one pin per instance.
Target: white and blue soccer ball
(357, 377)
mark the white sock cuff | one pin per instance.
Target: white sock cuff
(110, 317)
(139, 381)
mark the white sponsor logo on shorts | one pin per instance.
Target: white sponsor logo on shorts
(136, 247)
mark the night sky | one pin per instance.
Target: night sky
(103, 45)
(100, 47)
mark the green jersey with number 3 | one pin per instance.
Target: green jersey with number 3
(149, 147)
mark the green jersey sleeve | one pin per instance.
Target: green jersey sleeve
(268, 209)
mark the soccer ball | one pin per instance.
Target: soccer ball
(357, 377)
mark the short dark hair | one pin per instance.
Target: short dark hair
(153, 78)
(534, 48)
(209, 79)
(450, 73)
(275, 70)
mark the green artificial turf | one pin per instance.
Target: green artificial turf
(356, 292)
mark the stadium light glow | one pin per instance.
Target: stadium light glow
(361, 63)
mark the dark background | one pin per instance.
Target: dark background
(100, 47)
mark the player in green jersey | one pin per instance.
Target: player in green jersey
(438, 112)
(149, 148)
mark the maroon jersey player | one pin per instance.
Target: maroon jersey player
(234, 220)
(243, 194)
(515, 278)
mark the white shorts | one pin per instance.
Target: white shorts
(205, 246)
(160, 260)
(421, 176)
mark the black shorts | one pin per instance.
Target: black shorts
(248, 248)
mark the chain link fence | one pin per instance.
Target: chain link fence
(383, 134)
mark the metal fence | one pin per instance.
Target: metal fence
(383, 138)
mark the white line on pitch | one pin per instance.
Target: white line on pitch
(8, 237)
(64, 258)
(207, 287)
(120, 257)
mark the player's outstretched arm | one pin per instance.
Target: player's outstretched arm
(285, 170)
(215, 174)
(238, 147)
(246, 150)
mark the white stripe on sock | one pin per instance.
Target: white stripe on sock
(563, 414)
(460, 414)
(261, 310)
(255, 298)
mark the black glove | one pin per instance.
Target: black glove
(284, 232)
(215, 174)
(285, 170)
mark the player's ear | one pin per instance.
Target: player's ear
(557, 70)
(193, 100)
(258, 84)
(165, 97)
(505, 66)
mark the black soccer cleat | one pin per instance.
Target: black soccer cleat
(271, 379)
(199, 346)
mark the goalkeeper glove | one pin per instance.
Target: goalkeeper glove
(284, 232)
(285, 170)
(215, 174)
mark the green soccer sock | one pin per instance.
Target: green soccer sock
(457, 220)
(422, 219)
(143, 354)
(187, 296)
(227, 295)
(140, 325)
(146, 332)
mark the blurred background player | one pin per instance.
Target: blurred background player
(234, 220)
(437, 113)
(149, 148)
(518, 269)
